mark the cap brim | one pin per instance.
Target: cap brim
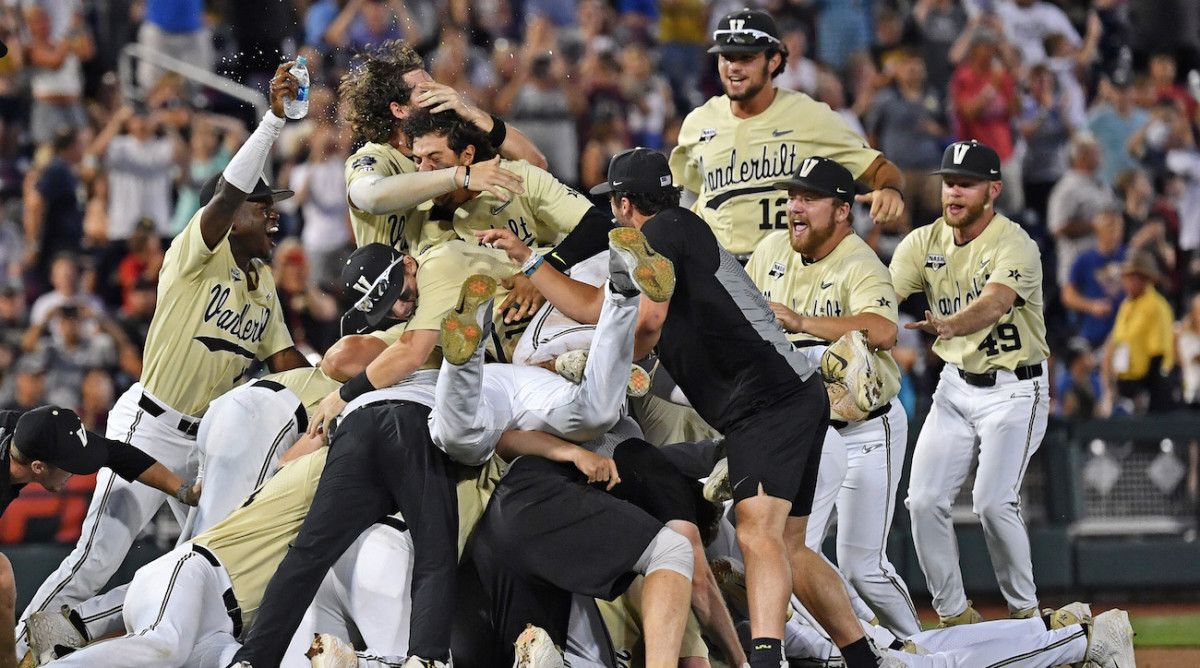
(275, 195)
(950, 171)
(738, 48)
(805, 185)
(85, 461)
(602, 189)
(384, 307)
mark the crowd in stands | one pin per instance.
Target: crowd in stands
(1093, 107)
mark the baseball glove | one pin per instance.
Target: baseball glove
(851, 380)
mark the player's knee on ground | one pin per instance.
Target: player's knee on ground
(667, 551)
(350, 355)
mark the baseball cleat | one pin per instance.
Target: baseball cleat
(418, 662)
(534, 649)
(49, 629)
(464, 327)
(849, 360)
(330, 651)
(730, 575)
(1028, 613)
(571, 364)
(634, 266)
(968, 616)
(1110, 643)
(28, 661)
(717, 488)
(1071, 613)
(639, 382)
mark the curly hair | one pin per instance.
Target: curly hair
(373, 84)
(459, 133)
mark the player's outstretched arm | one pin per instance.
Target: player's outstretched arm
(881, 332)
(576, 300)
(596, 467)
(886, 182)
(286, 359)
(982, 313)
(242, 173)
(161, 478)
(384, 194)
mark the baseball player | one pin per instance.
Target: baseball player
(822, 282)
(381, 180)
(719, 341)
(736, 146)
(48, 445)
(983, 278)
(217, 313)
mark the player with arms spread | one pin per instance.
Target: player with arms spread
(733, 148)
(983, 277)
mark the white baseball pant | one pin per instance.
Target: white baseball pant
(474, 406)
(119, 510)
(241, 437)
(364, 598)
(865, 506)
(1004, 426)
(176, 614)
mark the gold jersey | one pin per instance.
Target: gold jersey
(408, 231)
(952, 276)
(209, 324)
(310, 384)
(731, 163)
(850, 281)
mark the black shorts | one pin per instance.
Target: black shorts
(651, 482)
(551, 527)
(779, 447)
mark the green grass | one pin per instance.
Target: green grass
(1167, 630)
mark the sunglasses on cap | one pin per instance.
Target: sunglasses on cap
(380, 287)
(743, 37)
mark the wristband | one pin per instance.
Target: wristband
(466, 176)
(181, 493)
(498, 133)
(355, 387)
(898, 191)
(535, 260)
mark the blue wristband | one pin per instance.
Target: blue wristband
(533, 267)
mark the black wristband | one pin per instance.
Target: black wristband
(355, 387)
(898, 191)
(499, 132)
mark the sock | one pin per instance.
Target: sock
(1047, 619)
(767, 653)
(859, 654)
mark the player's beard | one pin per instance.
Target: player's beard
(750, 91)
(969, 216)
(813, 240)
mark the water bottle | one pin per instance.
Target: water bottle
(298, 108)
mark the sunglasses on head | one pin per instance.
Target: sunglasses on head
(380, 287)
(743, 37)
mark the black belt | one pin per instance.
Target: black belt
(231, 605)
(988, 378)
(878, 412)
(301, 414)
(189, 427)
(394, 522)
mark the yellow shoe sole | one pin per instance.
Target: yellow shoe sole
(461, 331)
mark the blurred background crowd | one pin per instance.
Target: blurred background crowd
(1092, 106)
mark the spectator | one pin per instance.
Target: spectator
(175, 28)
(29, 385)
(683, 40)
(138, 164)
(606, 138)
(321, 195)
(362, 23)
(69, 356)
(14, 104)
(906, 121)
(1113, 122)
(1187, 351)
(1074, 202)
(1079, 388)
(649, 96)
(1163, 73)
(1140, 352)
(311, 314)
(1167, 130)
(96, 396)
(543, 103)
(461, 65)
(984, 95)
(800, 73)
(143, 262)
(213, 141)
(939, 23)
(64, 277)
(1046, 125)
(54, 210)
(1093, 291)
(317, 19)
(58, 46)
(12, 315)
(1027, 24)
(134, 321)
(844, 27)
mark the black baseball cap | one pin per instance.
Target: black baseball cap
(636, 170)
(375, 273)
(746, 31)
(970, 159)
(262, 191)
(56, 436)
(821, 175)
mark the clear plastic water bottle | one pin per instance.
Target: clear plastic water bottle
(298, 108)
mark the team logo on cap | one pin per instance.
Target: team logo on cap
(934, 261)
(806, 167)
(960, 152)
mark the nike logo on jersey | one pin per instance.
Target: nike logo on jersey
(871, 446)
(500, 207)
(780, 133)
(826, 285)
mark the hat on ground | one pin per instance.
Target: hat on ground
(56, 436)
(375, 273)
(821, 175)
(970, 159)
(262, 191)
(636, 170)
(746, 31)
(1141, 262)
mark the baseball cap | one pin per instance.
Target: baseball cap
(262, 191)
(56, 436)
(1143, 263)
(636, 170)
(745, 31)
(821, 175)
(376, 273)
(970, 159)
